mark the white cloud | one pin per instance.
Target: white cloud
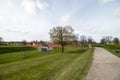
(105, 1)
(10, 3)
(41, 5)
(15, 24)
(1, 18)
(117, 12)
(29, 6)
(65, 18)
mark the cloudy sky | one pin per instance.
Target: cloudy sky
(32, 19)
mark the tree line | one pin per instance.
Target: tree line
(110, 40)
(64, 35)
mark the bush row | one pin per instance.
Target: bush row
(14, 49)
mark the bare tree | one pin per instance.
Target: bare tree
(90, 40)
(116, 40)
(102, 41)
(1, 39)
(24, 42)
(108, 39)
(43, 43)
(76, 39)
(62, 35)
(83, 39)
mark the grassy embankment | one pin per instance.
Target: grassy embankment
(112, 49)
(51, 65)
(9, 49)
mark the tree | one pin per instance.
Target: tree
(62, 35)
(116, 40)
(108, 39)
(1, 39)
(43, 43)
(90, 40)
(76, 41)
(24, 42)
(83, 40)
(102, 41)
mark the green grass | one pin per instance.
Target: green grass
(23, 55)
(14, 49)
(112, 49)
(71, 65)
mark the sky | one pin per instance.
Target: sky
(32, 19)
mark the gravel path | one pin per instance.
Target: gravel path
(105, 66)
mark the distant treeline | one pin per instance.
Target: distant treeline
(14, 49)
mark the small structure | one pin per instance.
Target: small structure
(43, 48)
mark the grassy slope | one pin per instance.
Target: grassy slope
(23, 55)
(112, 49)
(72, 65)
(7, 49)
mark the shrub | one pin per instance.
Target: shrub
(14, 49)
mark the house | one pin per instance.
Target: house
(52, 45)
(34, 43)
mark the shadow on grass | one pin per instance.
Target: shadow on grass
(77, 51)
(1, 77)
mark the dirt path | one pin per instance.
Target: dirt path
(105, 66)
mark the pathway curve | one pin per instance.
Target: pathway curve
(105, 66)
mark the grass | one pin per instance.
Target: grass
(112, 49)
(71, 65)
(23, 55)
(5, 49)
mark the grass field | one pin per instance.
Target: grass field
(112, 49)
(52, 65)
(8, 49)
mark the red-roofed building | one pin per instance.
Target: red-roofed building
(53, 45)
(36, 43)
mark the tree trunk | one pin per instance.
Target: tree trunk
(62, 48)
(62, 44)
